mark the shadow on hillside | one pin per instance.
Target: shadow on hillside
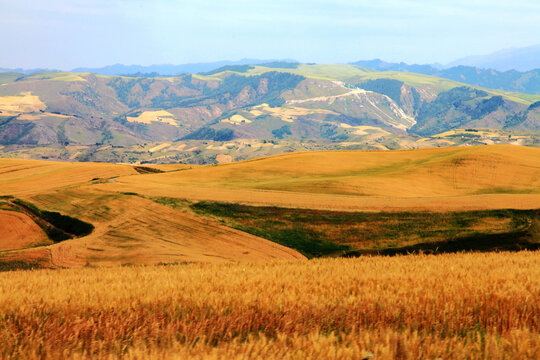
(511, 241)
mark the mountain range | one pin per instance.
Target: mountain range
(169, 69)
(336, 105)
(527, 82)
(152, 70)
(515, 69)
(520, 59)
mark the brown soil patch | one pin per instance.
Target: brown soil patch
(19, 231)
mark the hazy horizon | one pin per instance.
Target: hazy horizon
(70, 34)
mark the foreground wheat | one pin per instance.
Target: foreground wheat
(462, 306)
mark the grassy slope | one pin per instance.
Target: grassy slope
(338, 72)
(335, 72)
(435, 179)
(58, 76)
(322, 233)
(438, 85)
(8, 77)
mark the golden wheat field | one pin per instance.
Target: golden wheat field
(19, 231)
(441, 179)
(132, 228)
(128, 229)
(458, 306)
(230, 294)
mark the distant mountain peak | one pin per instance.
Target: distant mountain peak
(514, 58)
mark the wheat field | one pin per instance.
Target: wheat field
(131, 228)
(440, 179)
(458, 306)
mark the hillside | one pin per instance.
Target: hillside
(310, 201)
(74, 116)
(444, 178)
(128, 229)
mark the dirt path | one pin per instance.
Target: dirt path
(330, 98)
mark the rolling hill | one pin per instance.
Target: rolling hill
(128, 229)
(174, 213)
(444, 178)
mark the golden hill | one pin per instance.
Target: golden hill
(131, 227)
(484, 177)
(30, 177)
(132, 230)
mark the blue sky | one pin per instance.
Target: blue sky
(66, 34)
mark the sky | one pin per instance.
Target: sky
(62, 34)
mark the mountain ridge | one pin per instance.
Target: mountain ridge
(510, 80)
(278, 106)
(516, 58)
(526, 81)
(156, 69)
